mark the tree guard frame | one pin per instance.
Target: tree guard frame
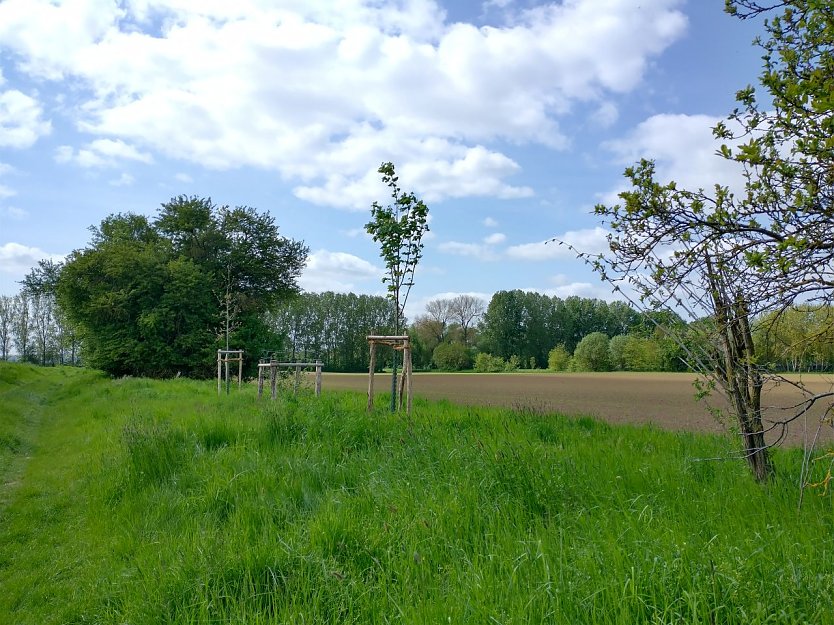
(398, 343)
(274, 365)
(224, 357)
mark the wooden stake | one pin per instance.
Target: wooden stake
(371, 377)
(407, 356)
(260, 381)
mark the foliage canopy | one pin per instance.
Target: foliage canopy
(154, 298)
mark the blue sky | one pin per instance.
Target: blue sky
(511, 118)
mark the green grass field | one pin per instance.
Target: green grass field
(142, 502)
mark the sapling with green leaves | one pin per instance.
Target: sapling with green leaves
(398, 227)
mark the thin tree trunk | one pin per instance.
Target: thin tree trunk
(739, 377)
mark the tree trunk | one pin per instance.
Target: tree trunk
(739, 376)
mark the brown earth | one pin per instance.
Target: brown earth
(664, 399)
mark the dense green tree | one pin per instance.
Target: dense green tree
(528, 325)
(631, 352)
(155, 298)
(617, 351)
(452, 357)
(332, 327)
(558, 359)
(798, 339)
(487, 363)
(503, 327)
(430, 332)
(592, 353)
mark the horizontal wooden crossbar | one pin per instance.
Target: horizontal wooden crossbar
(290, 364)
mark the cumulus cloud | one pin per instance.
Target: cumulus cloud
(489, 222)
(18, 259)
(683, 149)
(21, 122)
(475, 250)
(563, 286)
(322, 92)
(593, 240)
(101, 153)
(495, 238)
(337, 271)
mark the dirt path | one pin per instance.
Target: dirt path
(664, 399)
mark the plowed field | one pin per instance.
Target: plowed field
(664, 399)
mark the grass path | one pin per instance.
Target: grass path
(159, 502)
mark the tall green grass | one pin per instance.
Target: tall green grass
(138, 501)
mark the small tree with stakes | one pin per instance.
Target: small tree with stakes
(398, 228)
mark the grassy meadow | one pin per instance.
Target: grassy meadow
(141, 502)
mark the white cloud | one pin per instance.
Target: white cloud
(684, 150)
(6, 192)
(588, 241)
(489, 222)
(101, 153)
(495, 238)
(354, 233)
(20, 120)
(13, 212)
(474, 250)
(337, 271)
(322, 92)
(17, 259)
(184, 178)
(439, 169)
(125, 180)
(579, 289)
(605, 115)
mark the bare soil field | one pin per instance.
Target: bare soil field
(663, 399)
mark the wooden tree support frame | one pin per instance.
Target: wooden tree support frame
(224, 357)
(399, 343)
(274, 366)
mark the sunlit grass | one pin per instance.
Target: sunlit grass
(136, 501)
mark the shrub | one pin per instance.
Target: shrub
(487, 363)
(452, 357)
(628, 352)
(558, 359)
(591, 354)
(616, 351)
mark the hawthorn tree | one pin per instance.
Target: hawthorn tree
(399, 228)
(735, 258)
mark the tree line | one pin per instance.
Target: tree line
(34, 325)
(516, 330)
